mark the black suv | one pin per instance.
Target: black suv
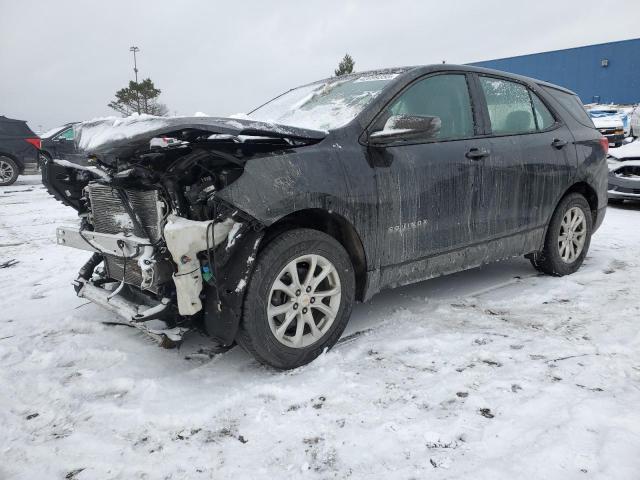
(18, 149)
(263, 230)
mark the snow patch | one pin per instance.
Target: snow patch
(241, 285)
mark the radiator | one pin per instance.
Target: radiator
(110, 216)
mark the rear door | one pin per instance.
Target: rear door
(532, 159)
(425, 186)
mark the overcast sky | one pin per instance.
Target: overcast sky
(63, 60)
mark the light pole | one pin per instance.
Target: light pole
(135, 49)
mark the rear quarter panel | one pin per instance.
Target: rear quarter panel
(591, 167)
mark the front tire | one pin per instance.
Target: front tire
(298, 300)
(568, 238)
(9, 171)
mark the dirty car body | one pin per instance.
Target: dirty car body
(177, 213)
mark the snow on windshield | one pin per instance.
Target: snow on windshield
(324, 105)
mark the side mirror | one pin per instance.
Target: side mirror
(406, 127)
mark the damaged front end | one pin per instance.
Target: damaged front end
(169, 255)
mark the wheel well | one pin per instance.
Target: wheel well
(332, 224)
(15, 159)
(589, 193)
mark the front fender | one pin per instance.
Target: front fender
(233, 265)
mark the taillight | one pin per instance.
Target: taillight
(605, 144)
(36, 142)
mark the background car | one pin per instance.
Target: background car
(19, 148)
(58, 142)
(610, 123)
(634, 120)
(624, 173)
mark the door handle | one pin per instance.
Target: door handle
(558, 143)
(477, 153)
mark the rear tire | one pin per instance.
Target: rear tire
(568, 238)
(9, 171)
(289, 316)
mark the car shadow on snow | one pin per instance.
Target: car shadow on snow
(24, 180)
(373, 313)
(627, 205)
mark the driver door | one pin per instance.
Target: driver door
(64, 144)
(426, 185)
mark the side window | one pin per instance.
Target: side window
(544, 119)
(572, 104)
(445, 97)
(509, 105)
(66, 134)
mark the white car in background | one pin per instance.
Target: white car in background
(610, 124)
(634, 121)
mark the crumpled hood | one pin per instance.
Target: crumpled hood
(114, 135)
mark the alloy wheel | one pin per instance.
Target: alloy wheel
(573, 233)
(6, 171)
(304, 301)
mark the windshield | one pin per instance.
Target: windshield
(323, 105)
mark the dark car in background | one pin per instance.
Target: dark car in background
(19, 149)
(264, 230)
(58, 143)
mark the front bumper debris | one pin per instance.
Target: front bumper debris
(142, 317)
(105, 243)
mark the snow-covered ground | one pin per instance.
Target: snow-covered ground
(495, 373)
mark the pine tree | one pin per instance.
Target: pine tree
(345, 66)
(139, 97)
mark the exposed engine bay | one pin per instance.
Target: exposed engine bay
(168, 254)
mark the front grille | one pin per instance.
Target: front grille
(110, 216)
(611, 131)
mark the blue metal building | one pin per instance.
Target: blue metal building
(604, 73)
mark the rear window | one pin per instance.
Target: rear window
(509, 105)
(15, 129)
(572, 104)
